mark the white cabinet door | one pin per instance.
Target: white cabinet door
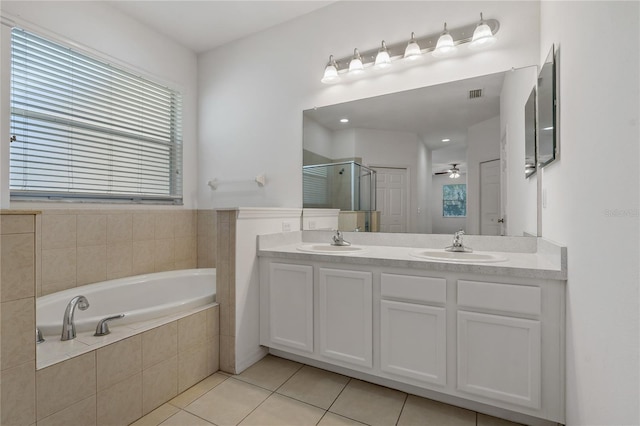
(413, 341)
(499, 358)
(291, 306)
(346, 323)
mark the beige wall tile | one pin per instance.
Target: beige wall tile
(214, 355)
(58, 231)
(119, 260)
(164, 255)
(192, 330)
(213, 321)
(186, 264)
(91, 265)
(91, 230)
(16, 224)
(81, 413)
(118, 361)
(121, 403)
(58, 269)
(143, 257)
(225, 319)
(119, 228)
(159, 344)
(144, 226)
(18, 328)
(228, 354)
(164, 222)
(18, 397)
(205, 222)
(186, 248)
(206, 252)
(17, 273)
(159, 384)
(192, 366)
(185, 223)
(76, 376)
(38, 255)
(222, 242)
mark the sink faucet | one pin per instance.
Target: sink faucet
(68, 326)
(338, 240)
(458, 245)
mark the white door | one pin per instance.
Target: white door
(346, 316)
(490, 198)
(413, 341)
(291, 306)
(391, 198)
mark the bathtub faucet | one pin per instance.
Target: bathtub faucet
(68, 326)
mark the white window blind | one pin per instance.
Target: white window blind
(315, 187)
(84, 129)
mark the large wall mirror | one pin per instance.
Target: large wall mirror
(428, 160)
(547, 132)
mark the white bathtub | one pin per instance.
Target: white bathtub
(140, 298)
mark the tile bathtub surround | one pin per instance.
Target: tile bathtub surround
(80, 247)
(251, 399)
(225, 286)
(17, 318)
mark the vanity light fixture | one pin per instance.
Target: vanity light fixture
(482, 36)
(356, 66)
(443, 43)
(412, 51)
(331, 72)
(383, 60)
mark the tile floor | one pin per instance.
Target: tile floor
(280, 392)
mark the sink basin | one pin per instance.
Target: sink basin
(328, 248)
(434, 254)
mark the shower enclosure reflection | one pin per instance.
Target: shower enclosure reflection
(346, 185)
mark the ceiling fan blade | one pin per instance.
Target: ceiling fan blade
(443, 173)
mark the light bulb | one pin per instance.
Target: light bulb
(482, 36)
(331, 72)
(383, 60)
(413, 50)
(356, 66)
(445, 46)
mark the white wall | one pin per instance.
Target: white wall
(441, 224)
(424, 188)
(98, 29)
(252, 91)
(521, 193)
(318, 139)
(593, 211)
(484, 145)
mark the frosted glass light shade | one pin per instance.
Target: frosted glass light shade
(482, 36)
(454, 175)
(383, 60)
(413, 50)
(356, 66)
(330, 72)
(445, 46)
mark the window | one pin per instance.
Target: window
(84, 129)
(315, 186)
(454, 200)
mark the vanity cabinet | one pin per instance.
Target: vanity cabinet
(413, 328)
(345, 317)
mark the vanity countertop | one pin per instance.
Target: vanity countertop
(536, 258)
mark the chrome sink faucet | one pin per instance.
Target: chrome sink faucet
(68, 326)
(458, 245)
(338, 240)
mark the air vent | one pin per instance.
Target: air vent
(475, 93)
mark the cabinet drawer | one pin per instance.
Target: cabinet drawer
(420, 289)
(512, 298)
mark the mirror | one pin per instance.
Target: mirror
(547, 145)
(530, 135)
(419, 141)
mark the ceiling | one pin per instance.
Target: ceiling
(206, 24)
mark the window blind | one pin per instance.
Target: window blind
(84, 129)
(315, 187)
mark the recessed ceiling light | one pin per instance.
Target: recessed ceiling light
(548, 128)
(344, 120)
(446, 140)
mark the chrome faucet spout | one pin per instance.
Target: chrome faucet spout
(458, 245)
(338, 240)
(68, 326)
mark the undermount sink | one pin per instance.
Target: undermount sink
(329, 248)
(453, 256)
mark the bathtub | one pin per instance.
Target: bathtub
(140, 298)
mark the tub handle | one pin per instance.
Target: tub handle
(103, 327)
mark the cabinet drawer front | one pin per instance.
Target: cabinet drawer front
(517, 299)
(420, 289)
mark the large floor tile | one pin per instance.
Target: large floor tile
(369, 403)
(314, 386)
(279, 410)
(331, 419)
(182, 418)
(157, 416)
(228, 403)
(270, 372)
(484, 420)
(197, 390)
(432, 413)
